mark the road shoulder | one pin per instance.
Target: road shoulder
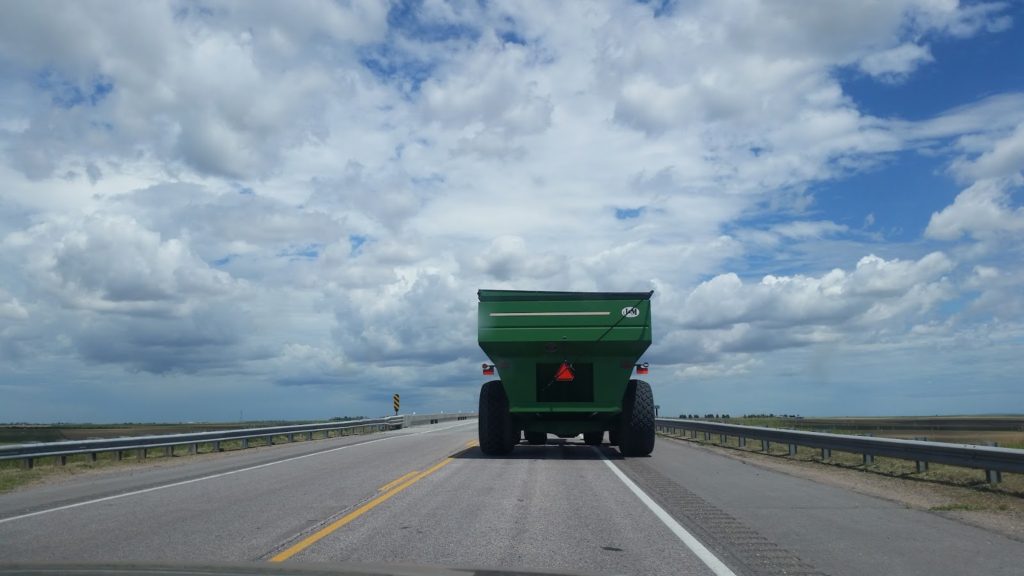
(993, 511)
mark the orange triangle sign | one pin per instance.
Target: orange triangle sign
(564, 373)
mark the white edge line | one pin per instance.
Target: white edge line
(705, 555)
(212, 476)
(550, 313)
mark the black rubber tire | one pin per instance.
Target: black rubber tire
(593, 438)
(636, 427)
(536, 438)
(494, 423)
(613, 437)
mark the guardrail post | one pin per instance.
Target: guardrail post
(721, 439)
(93, 456)
(118, 455)
(766, 446)
(922, 465)
(168, 451)
(140, 454)
(193, 448)
(869, 459)
(26, 463)
(63, 459)
(993, 476)
(291, 437)
(826, 453)
(742, 441)
(245, 443)
(792, 449)
(216, 445)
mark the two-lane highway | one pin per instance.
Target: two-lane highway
(428, 496)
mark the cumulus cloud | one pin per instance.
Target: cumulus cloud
(112, 264)
(421, 320)
(124, 295)
(1001, 158)
(179, 88)
(311, 194)
(831, 299)
(983, 211)
(725, 317)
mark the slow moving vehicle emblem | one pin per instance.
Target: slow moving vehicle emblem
(564, 373)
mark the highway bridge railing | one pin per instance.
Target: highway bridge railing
(993, 460)
(141, 445)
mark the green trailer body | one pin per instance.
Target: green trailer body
(565, 362)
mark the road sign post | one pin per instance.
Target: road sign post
(396, 401)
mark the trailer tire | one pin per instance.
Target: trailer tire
(636, 428)
(593, 438)
(536, 438)
(494, 423)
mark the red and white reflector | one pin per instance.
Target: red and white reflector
(488, 369)
(642, 368)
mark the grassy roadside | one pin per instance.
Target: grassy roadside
(939, 474)
(1006, 431)
(24, 433)
(13, 476)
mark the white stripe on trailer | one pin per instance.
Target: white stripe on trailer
(550, 313)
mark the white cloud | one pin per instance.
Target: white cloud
(191, 88)
(809, 229)
(726, 316)
(311, 193)
(111, 264)
(896, 62)
(1001, 158)
(982, 211)
(10, 308)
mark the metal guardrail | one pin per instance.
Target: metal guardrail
(993, 460)
(28, 453)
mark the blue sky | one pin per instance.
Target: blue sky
(285, 211)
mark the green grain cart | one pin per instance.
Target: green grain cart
(566, 361)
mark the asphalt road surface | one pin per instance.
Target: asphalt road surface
(427, 496)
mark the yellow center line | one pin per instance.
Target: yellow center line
(393, 488)
(398, 480)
